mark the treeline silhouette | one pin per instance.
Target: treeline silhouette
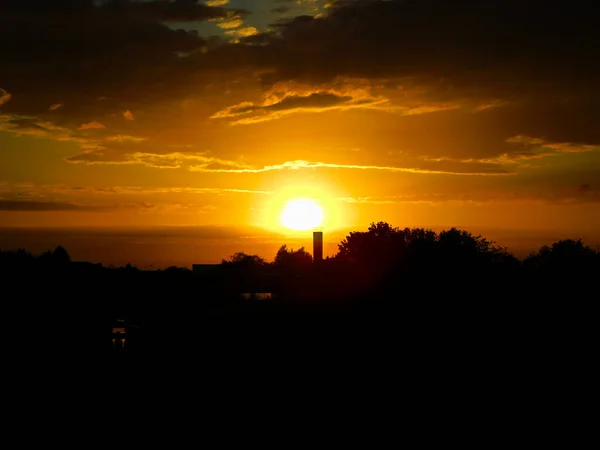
(385, 280)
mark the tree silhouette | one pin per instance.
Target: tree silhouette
(384, 248)
(61, 255)
(565, 256)
(380, 244)
(292, 258)
(244, 260)
(57, 259)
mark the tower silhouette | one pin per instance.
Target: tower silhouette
(317, 246)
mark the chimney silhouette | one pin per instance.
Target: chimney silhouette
(317, 246)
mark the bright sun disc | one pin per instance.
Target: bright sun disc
(301, 215)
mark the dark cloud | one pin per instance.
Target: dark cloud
(507, 40)
(161, 10)
(16, 205)
(95, 57)
(44, 7)
(272, 109)
(316, 100)
(529, 67)
(494, 48)
(280, 10)
(20, 124)
(533, 66)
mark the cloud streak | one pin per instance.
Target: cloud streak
(531, 148)
(4, 96)
(301, 164)
(30, 190)
(92, 126)
(300, 99)
(174, 160)
(23, 206)
(203, 162)
(564, 195)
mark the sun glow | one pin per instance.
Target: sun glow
(301, 215)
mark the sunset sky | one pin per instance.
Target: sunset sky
(431, 113)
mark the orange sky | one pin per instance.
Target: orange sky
(431, 116)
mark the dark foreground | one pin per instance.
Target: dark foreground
(389, 292)
(74, 312)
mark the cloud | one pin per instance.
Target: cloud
(11, 205)
(171, 11)
(204, 162)
(91, 126)
(531, 68)
(107, 47)
(242, 32)
(525, 140)
(128, 115)
(4, 96)
(174, 160)
(555, 147)
(535, 148)
(177, 190)
(30, 197)
(32, 126)
(297, 99)
(457, 169)
(31, 191)
(564, 195)
(362, 38)
(341, 94)
(101, 140)
(493, 104)
(124, 138)
(525, 149)
(230, 22)
(427, 109)
(55, 106)
(280, 10)
(50, 206)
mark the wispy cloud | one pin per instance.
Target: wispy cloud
(93, 137)
(536, 148)
(93, 125)
(4, 96)
(216, 2)
(31, 197)
(19, 205)
(527, 148)
(565, 195)
(493, 104)
(32, 126)
(301, 164)
(277, 104)
(341, 94)
(242, 32)
(32, 190)
(427, 109)
(174, 160)
(163, 190)
(230, 22)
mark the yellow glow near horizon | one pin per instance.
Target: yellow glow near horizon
(301, 215)
(266, 211)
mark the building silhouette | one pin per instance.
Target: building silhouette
(317, 246)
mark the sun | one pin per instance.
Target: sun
(301, 215)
